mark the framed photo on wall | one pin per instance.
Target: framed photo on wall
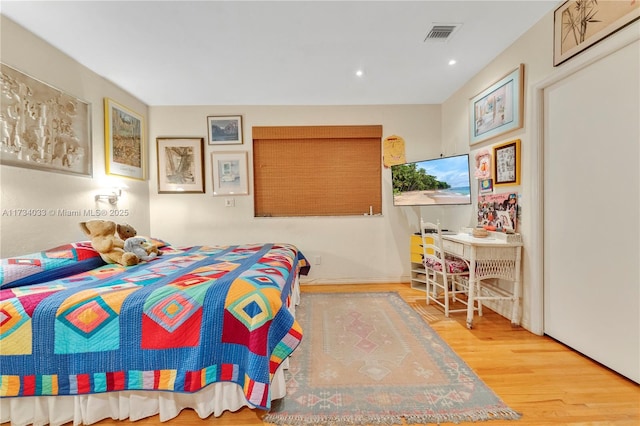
(485, 186)
(229, 172)
(578, 25)
(506, 169)
(483, 164)
(180, 165)
(125, 145)
(499, 108)
(225, 129)
(32, 134)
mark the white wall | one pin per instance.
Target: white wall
(534, 50)
(23, 188)
(352, 249)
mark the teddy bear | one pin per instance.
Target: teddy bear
(135, 245)
(105, 241)
(126, 231)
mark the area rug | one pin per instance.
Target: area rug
(369, 358)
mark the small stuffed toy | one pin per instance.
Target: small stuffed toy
(135, 245)
(105, 241)
(126, 231)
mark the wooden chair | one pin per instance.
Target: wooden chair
(443, 272)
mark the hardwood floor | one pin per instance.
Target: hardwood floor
(545, 381)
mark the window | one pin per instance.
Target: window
(317, 170)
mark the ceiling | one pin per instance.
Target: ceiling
(280, 52)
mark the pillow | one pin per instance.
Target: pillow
(48, 265)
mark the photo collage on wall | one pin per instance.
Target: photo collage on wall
(498, 210)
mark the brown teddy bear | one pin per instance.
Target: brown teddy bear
(105, 241)
(126, 231)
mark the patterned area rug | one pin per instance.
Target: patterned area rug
(369, 358)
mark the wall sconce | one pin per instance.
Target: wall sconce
(111, 198)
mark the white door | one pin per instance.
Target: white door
(592, 211)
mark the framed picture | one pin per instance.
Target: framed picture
(506, 170)
(499, 210)
(499, 108)
(485, 186)
(578, 25)
(229, 171)
(225, 129)
(42, 127)
(180, 165)
(483, 164)
(125, 145)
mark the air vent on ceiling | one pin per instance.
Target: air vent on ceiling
(442, 32)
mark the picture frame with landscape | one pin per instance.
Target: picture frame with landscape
(125, 145)
(224, 129)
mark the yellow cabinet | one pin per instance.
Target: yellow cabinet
(417, 280)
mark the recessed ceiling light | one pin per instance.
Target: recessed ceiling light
(359, 73)
(452, 62)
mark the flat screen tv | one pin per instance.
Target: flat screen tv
(434, 182)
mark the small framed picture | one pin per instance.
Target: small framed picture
(225, 129)
(180, 165)
(506, 170)
(504, 220)
(229, 170)
(483, 164)
(486, 186)
(125, 147)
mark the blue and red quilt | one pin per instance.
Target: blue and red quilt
(189, 318)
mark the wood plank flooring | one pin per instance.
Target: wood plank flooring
(544, 380)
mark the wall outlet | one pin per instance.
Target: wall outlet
(317, 260)
(229, 202)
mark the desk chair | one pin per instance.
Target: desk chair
(444, 273)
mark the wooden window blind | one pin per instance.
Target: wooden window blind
(317, 170)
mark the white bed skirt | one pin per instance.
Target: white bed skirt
(132, 405)
(135, 405)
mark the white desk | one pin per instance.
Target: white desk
(496, 256)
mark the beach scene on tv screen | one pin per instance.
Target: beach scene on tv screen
(438, 181)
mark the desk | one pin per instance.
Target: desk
(496, 256)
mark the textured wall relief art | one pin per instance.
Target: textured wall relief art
(42, 127)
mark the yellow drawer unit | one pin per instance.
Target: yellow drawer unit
(416, 248)
(417, 280)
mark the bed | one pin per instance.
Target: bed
(204, 327)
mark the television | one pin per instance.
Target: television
(435, 182)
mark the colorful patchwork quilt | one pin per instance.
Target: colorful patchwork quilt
(189, 318)
(58, 262)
